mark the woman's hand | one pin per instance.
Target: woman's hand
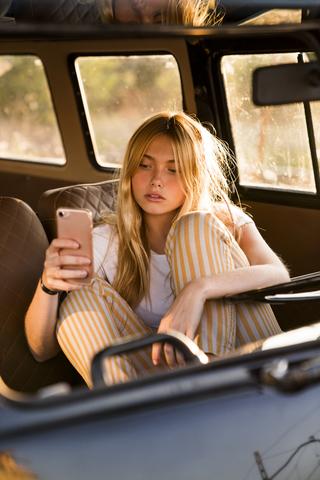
(41, 317)
(54, 276)
(184, 316)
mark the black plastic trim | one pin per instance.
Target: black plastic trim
(286, 198)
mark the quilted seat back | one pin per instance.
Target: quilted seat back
(94, 196)
(23, 243)
(56, 11)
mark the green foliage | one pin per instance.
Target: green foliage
(24, 92)
(115, 84)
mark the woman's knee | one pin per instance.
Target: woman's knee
(198, 246)
(197, 230)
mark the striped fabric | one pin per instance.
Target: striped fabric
(197, 245)
(94, 318)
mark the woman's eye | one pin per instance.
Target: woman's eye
(172, 170)
(143, 166)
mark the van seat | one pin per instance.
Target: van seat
(94, 196)
(23, 243)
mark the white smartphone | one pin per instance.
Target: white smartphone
(76, 224)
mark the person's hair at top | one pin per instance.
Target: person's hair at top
(202, 162)
(196, 13)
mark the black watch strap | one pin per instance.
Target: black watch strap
(46, 290)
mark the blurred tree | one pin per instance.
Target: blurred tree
(24, 90)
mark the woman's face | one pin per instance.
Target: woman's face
(139, 11)
(155, 185)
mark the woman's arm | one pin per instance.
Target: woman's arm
(184, 315)
(41, 317)
(265, 269)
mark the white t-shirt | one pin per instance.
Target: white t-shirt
(105, 246)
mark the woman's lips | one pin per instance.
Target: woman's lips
(154, 197)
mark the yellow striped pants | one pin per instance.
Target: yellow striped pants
(198, 245)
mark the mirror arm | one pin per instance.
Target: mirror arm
(302, 288)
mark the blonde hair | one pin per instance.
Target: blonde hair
(203, 162)
(184, 12)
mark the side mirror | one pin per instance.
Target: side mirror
(288, 83)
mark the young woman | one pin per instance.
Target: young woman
(136, 12)
(166, 259)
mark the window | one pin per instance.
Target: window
(271, 143)
(275, 16)
(29, 129)
(315, 112)
(119, 92)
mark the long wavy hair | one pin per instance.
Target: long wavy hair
(196, 13)
(204, 161)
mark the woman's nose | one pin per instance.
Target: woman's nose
(141, 7)
(156, 180)
(139, 3)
